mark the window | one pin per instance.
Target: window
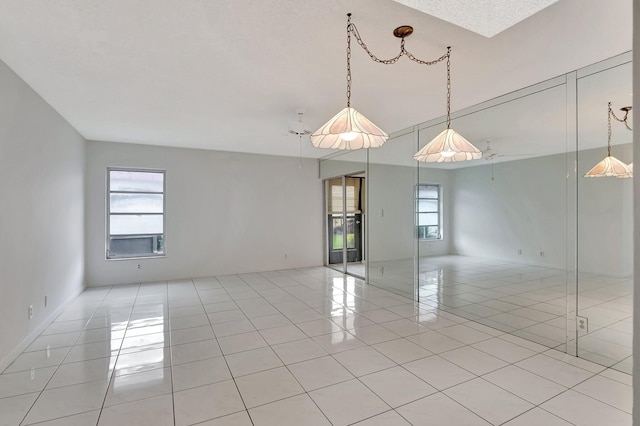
(428, 212)
(135, 212)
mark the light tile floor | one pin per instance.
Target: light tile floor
(297, 347)
(527, 301)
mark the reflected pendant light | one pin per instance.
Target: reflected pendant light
(449, 146)
(610, 166)
(348, 129)
(630, 166)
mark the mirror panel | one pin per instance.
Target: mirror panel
(605, 222)
(391, 236)
(517, 241)
(501, 258)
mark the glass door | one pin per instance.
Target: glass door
(344, 201)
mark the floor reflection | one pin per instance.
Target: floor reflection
(313, 344)
(526, 301)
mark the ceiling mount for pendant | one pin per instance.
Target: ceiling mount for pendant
(403, 31)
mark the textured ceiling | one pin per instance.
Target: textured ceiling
(485, 17)
(228, 74)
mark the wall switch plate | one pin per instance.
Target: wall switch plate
(582, 325)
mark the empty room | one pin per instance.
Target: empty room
(364, 212)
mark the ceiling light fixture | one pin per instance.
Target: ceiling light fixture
(349, 129)
(611, 166)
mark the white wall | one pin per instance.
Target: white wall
(41, 214)
(525, 207)
(226, 213)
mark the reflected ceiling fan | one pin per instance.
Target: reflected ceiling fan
(491, 154)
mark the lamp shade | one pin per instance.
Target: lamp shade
(348, 130)
(630, 166)
(448, 147)
(610, 167)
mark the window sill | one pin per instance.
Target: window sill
(149, 256)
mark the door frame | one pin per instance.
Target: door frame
(343, 266)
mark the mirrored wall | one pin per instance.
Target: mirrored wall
(502, 258)
(519, 240)
(604, 217)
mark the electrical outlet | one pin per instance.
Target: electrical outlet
(139, 266)
(30, 311)
(45, 301)
(582, 325)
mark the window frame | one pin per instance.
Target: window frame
(108, 255)
(417, 210)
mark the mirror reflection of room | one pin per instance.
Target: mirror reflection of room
(519, 240)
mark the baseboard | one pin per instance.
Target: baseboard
(15, 352)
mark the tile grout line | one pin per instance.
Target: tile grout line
(113, 373)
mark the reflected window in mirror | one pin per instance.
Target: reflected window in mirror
(428, 212)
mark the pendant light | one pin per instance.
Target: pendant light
(611, 166)
(348, 129)
(449, 146)
(630, 166)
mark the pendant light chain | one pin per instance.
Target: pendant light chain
(349, 60)
(403, 52)
(623, 119)
(351, 130)
(448, 55)
(352, 29)
(609, 114)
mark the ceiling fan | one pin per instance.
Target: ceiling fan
(298, 129)
(491, 154)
